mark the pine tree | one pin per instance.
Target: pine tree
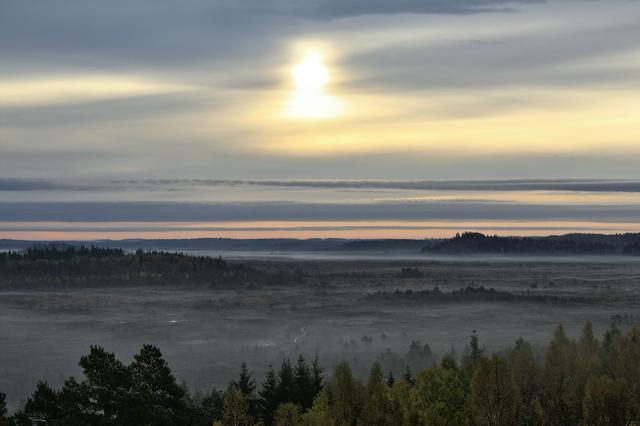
(316, 376)
(246, 384)
(286, 390)
(268, 402)
(303, 384)
(476, 352)
(44, 404)
(162, 400)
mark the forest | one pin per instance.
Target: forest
(475, 242)
(583, 381)
(470, 294)
(70, 266)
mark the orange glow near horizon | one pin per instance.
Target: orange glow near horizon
(297, 229)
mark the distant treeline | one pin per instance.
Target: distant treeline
(468, 242)
(470, 294)
(595, 244)
(66, 266)
(587, 382)
(386, 245)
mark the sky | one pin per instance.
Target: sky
(213, 116)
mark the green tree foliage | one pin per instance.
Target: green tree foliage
(609, 401)
(303, 384)
(441, 398)
(288, 414)
(390, 379)
(236, 409)
(494, 397)
(66, 266)
(246, 384)
(630, 360)
(269, 398)
(346, 396)
(286, 389)
(559, 381)
(298, 385)
(320, 412)
(525, 370)
(586, 382)
(212, 406)
(377, 406)
(160, 399)
(144, 392)
(44, 404)
(404, 411)
(316, 376)
(408, 377)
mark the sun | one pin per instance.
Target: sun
(310, 75)
(308, 99)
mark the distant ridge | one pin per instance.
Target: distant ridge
(474, 242)
(467, 242)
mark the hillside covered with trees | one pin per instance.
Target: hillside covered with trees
(592, 244)
(585, 381)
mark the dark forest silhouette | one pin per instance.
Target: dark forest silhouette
(585, 381)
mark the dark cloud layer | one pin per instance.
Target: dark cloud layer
(289, 211)
(452, 185)
(581, 185)
(130, 33)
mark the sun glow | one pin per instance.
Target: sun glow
(309, 100)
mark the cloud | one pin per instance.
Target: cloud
(8, 184)
(80, 88)
(581, 185)
(493, 185)
(426, 68)
(341, 8)
(290, 211)
(127, 107)
(579, 58)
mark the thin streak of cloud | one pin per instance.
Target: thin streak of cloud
(570, 185)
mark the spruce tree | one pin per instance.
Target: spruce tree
(286, 390)
(316, 376)
(246, 384)
(303, 384)
(268, 402)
